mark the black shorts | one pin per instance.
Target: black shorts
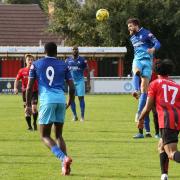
(34, 99)
(169, 135)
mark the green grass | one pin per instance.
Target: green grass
(102, 147)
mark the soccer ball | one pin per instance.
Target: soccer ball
(102, 14)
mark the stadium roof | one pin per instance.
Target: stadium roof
(24, 25)
(19, 51)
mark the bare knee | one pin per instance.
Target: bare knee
(143, 90)
(43, 137)
(171, 155)
(138, 73)
(34, 108)
(160, 146)
(144, 85)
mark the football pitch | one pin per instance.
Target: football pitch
(102, 147)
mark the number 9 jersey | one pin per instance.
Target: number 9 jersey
(166, 94)
(51, 74)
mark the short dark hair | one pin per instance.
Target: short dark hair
(75, 47)
(164, 67)
(134, 21)
(50, 49)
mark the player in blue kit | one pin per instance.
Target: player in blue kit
(145, 44)
(77, 65)
(51, 74)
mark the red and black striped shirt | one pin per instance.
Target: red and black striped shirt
(166, 94)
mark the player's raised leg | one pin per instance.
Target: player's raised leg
(136, 80)
(66, 163)
(142, 102)
(45, 131)
(136, 83)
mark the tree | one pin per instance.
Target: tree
(77, 24)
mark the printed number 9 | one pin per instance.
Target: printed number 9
(50, 74)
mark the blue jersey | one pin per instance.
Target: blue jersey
(77, 67)
(51, 74)
(142, 41)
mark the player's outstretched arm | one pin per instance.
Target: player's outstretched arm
(71, 92)
(145, 112)
(156, 43)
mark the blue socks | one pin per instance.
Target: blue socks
(58, 153)
(73, 108)
(82, 106)
(136, 82)
(142, 102)
(146, 123)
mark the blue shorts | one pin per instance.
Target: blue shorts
(52, 112)
(80, 88)
(145, 67)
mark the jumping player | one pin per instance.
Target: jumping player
(145, 44)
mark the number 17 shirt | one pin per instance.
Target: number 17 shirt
(166, 94)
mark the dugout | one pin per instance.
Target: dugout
(102, 61)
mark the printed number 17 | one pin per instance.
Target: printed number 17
(168, 88)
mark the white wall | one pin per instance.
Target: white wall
(116, 85)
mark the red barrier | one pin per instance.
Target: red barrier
(120, 68)
(93, 67)
(9, 68)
